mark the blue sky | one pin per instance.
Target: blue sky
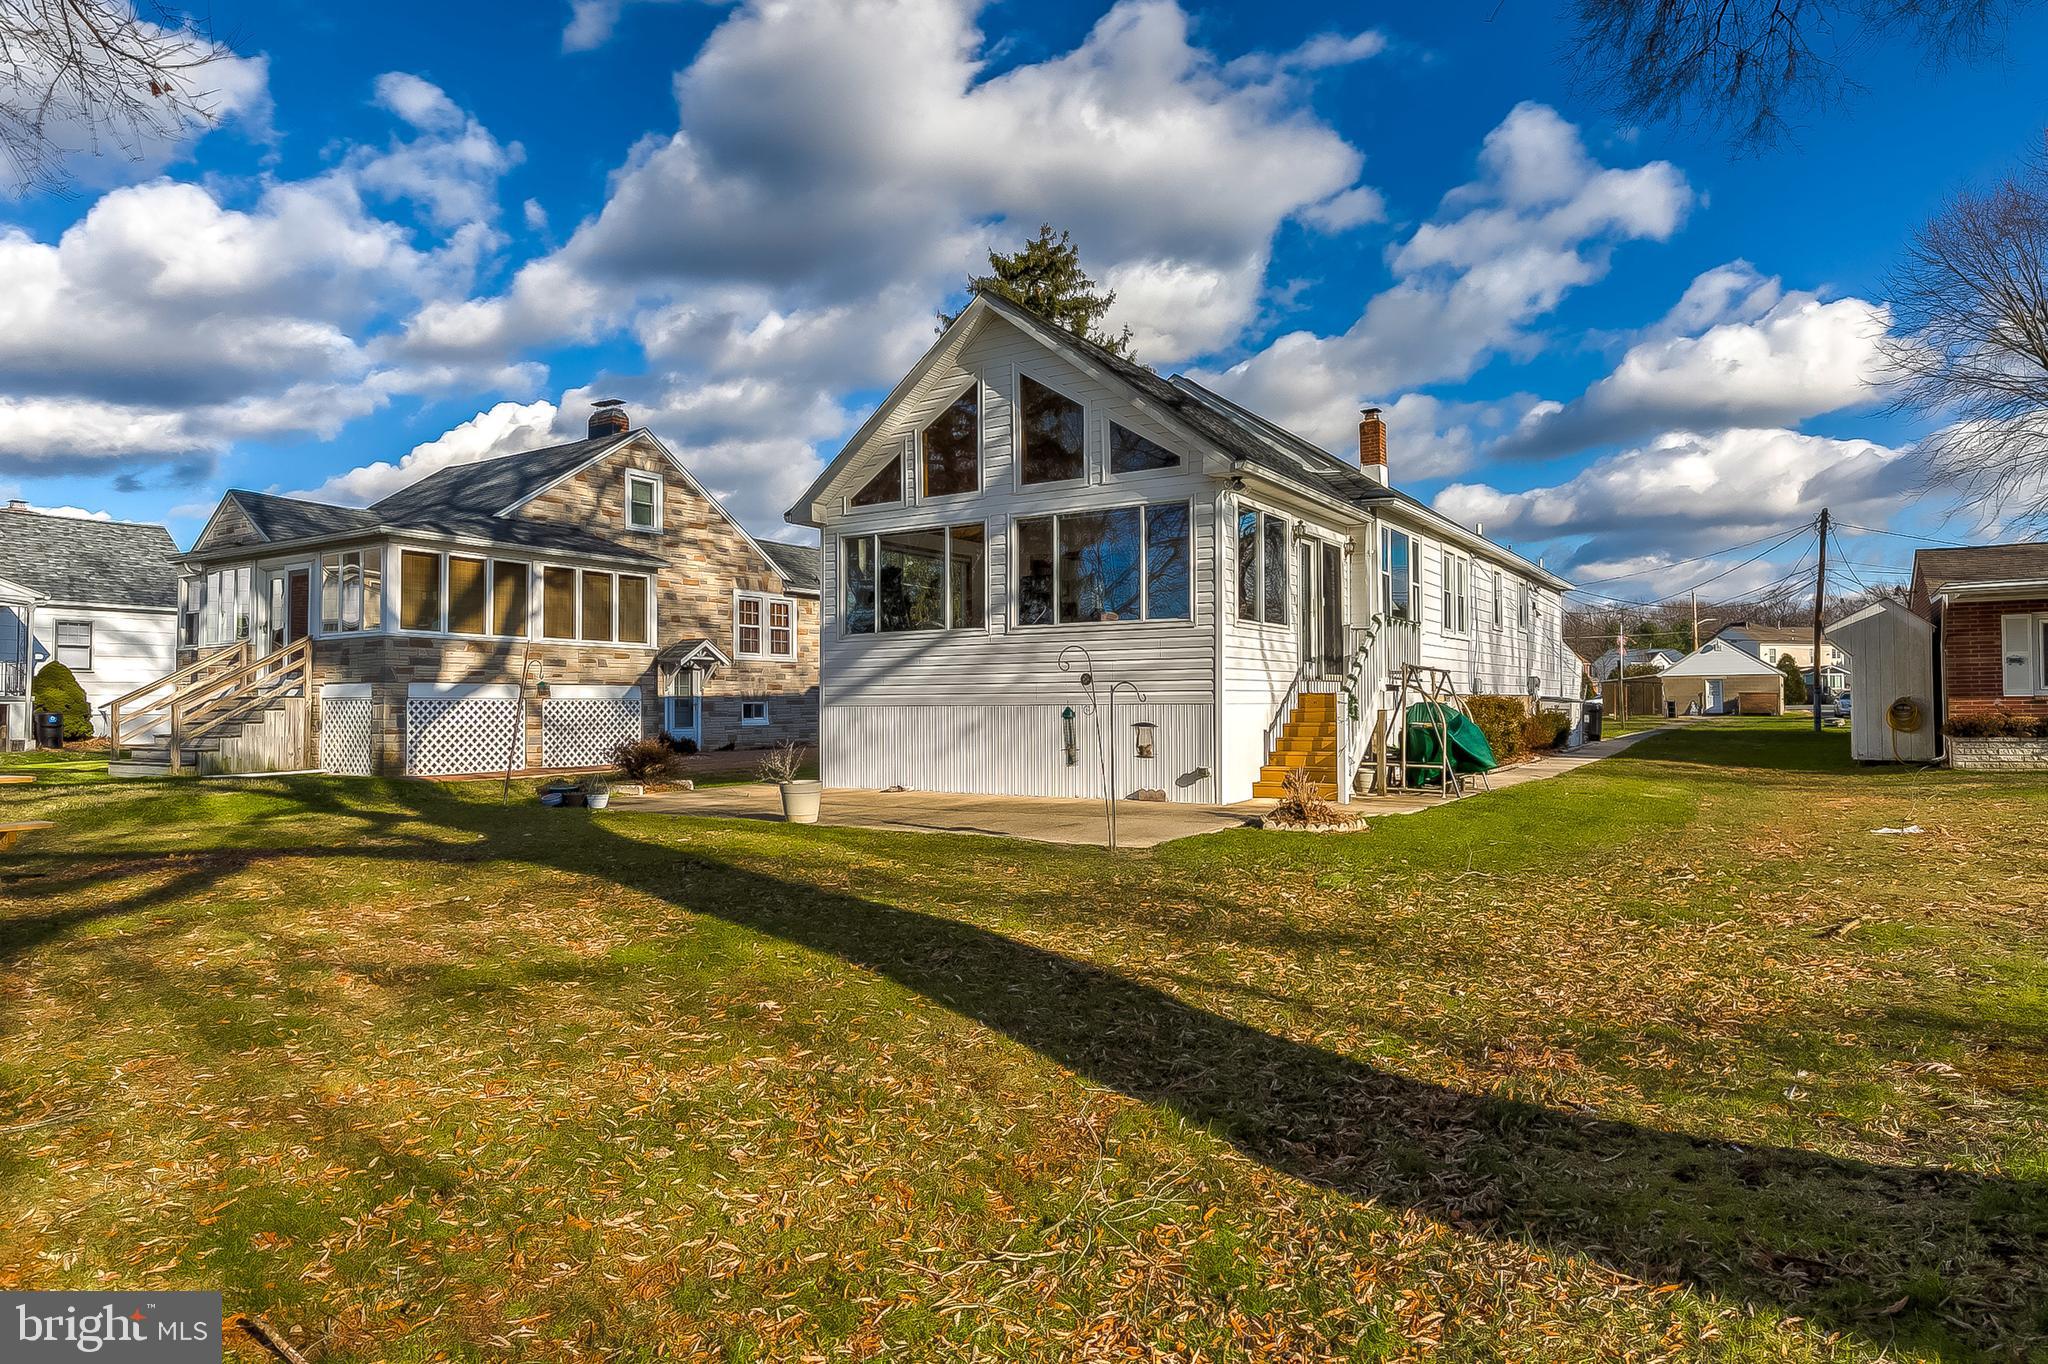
(433, 234)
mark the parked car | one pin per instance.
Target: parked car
(1842, 704)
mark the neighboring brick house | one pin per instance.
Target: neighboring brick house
(534, 609)
(1989, 605)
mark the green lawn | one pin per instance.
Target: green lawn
(1670, 1058)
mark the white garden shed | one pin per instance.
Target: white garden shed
(1892, 660)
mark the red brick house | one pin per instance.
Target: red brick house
(1989, 605)
(528, 611)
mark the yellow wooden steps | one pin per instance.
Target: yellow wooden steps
(1308, 740)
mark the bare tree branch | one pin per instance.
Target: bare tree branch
(1748, 68)
(1969, 345)
(89, 76)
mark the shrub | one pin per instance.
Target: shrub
(1997, 724)
(1545, 730)
(1500, 719)
(643, 760)
(1304, 803)
(782, 763)
(56, 689)
(685, 746)
(1795, 682)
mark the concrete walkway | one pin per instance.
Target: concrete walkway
(1521, 774)
(1139, 824)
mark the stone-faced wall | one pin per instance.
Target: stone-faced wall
(708, 560)
(1998, 755)
(1973, 659)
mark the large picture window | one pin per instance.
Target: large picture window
(1397, 573)
(1123, 563)
(1052, 433)
(902, 581)
(755, 633)
(952, 447)
(1262, 567)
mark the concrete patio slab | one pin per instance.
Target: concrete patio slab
(1139, 824)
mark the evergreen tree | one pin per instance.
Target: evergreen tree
(1046, 277)
(1795, 681)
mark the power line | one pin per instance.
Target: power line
(1900, 535)
(1701, 558)
(1684, 591)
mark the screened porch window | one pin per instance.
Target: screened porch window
(558, 603)
(419, 590)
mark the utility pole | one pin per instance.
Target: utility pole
(1820, 591)
(1621, 671)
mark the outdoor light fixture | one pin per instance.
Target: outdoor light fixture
(1146, 732)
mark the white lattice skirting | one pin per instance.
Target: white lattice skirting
(446, 736)
(582, 731)
(348, 736)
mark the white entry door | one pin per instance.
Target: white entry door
(1713, 696)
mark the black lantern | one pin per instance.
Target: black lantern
(1147, 732)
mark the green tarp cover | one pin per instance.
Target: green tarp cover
(1469, 750)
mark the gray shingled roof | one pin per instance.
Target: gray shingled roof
(1938, 568)
(468, 491)
(294, 518)
(462, 500)
(71, 559)
(797, 563)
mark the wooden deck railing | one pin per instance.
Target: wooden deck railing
(203, 708)
(134, 717)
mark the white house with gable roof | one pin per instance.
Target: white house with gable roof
(1022, 491)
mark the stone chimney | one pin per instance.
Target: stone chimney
(1372, 446)
(608, 418)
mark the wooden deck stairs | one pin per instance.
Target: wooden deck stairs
(227, 711)
(1309, 740)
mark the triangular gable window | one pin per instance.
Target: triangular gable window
(885, 487)
(1131, 453)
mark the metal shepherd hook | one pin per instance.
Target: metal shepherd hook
(1105, 752)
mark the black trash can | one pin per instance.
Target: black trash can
(1594, 710)
(49, 729)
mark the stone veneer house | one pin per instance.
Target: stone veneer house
(532, 610)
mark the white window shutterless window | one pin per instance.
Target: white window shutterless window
(1456, 592)
(2020, 640)
(74, 645)
(764, 626)
(643, 502)
(753, 712)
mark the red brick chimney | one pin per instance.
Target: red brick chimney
(1372, 445)
(608, 418)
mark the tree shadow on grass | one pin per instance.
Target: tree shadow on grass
(1949, 1263)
